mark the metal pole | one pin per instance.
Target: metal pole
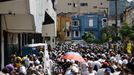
(116, 17)
(0, 43)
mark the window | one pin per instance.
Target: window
(67, 33)
(76, 22)
(94, 6)
(67, 25)
(90, 22)
(76, 33)
(69, 3)
(83, 4)
(101, 3)
(75, 5)
(104, 22)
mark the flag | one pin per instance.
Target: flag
(129, 47)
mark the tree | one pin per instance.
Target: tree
(88, 37)
(126, 31)
(108, 32)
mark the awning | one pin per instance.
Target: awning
(18, 23)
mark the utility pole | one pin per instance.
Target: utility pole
(116, 14)
(0, 43)
(116, 18)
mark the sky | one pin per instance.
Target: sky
(129, 0)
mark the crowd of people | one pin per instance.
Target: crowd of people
(27, 65)
(99, 60)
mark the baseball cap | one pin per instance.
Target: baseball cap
(108, 70)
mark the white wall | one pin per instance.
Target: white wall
(34, 7)
(52, 13)
(37, 8)
(18, 23)
(48, 30)
(14, 6)
(110, 22)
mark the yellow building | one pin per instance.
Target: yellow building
(64, 32)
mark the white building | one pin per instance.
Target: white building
(19, 16)
(49, 25)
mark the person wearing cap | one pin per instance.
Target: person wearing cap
(107, 71)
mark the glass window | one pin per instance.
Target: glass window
(67, 33)
(67, 25)
(76, 33)
(75, 5)
(76, 22)
(90, 22)
(94, 6)
(104, 22)
(101, 3)
(69, 3)
(83, 4)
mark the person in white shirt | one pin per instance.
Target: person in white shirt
(102, 69)
(84, 68)
(23, 70)
(90, 69)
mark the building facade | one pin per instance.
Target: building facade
(20, 24)
(49, 28)
(64, 32)
(87, 23)
(113, 13)
(81, 6)
(128, 16)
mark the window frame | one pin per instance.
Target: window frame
(75, 34)
(69, 4)
(90, 21)
(67, 33)
(76, 24)
(83, 4)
